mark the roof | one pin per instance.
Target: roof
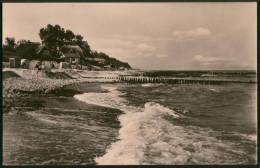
(72, 47)
(71, 51)
(71, 55)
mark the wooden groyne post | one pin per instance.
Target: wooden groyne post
(143, 79)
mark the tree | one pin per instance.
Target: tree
(53, 38)
(69, 36)
(27, 49)
(78, 39)
(21, 42)
(86, 49)
(10, 43)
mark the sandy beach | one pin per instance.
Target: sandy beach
(19, 82)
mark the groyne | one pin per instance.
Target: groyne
(142, 79)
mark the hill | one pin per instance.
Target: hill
(60, 45)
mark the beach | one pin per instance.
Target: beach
(26, 94)
(19, 82)
(133, 84)
(97, 120)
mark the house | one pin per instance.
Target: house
(72, 54)
(11, 59)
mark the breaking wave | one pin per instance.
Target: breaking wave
(151, 84)
(146, 136)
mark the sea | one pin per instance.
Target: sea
(135, 124)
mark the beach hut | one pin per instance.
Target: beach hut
(14, 62)
(48, 65)
(34, 64)
(25, 63)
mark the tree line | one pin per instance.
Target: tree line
(53, 38)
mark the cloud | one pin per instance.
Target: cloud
(120, 46)
(145, 47)
(198, 57)
(212, 61)
(191, 34)
(161, 55)
(146, 54)
(202, 58)
(112, 42)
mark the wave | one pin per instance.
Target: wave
(146, 136)
(213, 90)
(63, 120)
(110, 99)
(42, 117)
(138, 128)
(151, 84)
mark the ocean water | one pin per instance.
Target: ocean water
(135, 124)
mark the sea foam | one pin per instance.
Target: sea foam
(147, 137)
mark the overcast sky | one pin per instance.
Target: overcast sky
(176, 36)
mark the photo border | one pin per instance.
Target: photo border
(130, 1)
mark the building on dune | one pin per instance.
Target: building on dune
(72, 54)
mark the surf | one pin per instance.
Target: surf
(148, 137)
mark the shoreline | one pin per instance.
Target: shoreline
(20, 82)
(63, 112)
(53, 118)
(23, 83)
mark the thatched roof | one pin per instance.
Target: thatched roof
(71, 51)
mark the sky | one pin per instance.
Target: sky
(166, 36)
